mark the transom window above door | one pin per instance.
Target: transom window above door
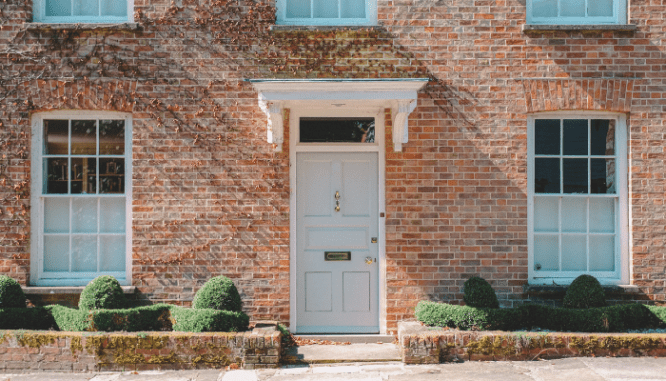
(576, 12)
(84, 11)
(337, 130)
(327, 12)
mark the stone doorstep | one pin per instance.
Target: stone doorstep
(351, 338)
(430, 345)
(340, 353)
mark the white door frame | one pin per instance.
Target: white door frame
(294, 147)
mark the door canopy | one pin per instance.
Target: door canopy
(398, 94)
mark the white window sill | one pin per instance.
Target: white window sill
(66, 290)
(307, 28)
(81, 26)
(588, 28)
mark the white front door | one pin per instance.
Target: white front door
(337, 249)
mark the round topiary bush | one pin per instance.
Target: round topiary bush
(219, 293)
(585, 292)
(479, 293)
(103, 292)
(11, 293)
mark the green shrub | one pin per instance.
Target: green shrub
(208, 320)
(149, 318)
(103, 292)
(219, 293)
(465, 317)
(603, 319)
(26, 318)
(479, 293)
(584, 292)
(11, 293)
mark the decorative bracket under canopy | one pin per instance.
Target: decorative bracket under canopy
(398, 94)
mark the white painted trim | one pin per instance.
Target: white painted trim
(296, 147)
(623, 224)
(369, 20)
(619, 16)
(39, 15)
(401, 96)
(37, 204)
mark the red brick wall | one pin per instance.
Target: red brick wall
(211, 197)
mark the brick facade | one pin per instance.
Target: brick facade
(210, 196)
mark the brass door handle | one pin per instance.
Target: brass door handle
(337, 201)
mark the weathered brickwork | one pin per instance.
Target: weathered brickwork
(210, 196)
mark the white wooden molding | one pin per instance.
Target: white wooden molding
(344, 95)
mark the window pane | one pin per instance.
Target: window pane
(58, 8)
(56, 215)
(602, 215)
(326, 8)
(84, 253)
(56, 253)
(298, 9)
(55, 136)
(112, 218)
(546, 214)
(547, 175)
(83, 175)
(574, 215)
(603, 176)
(603, 137)
(572, 8)
(86, 8)
(337, 130)
(111, 137)
(544, 8)
(546, 250)
(112, 256)
(111, 175)
(600, 8)
(575, 137)
(114, 8)
(56, 176)
(353, 9)
(84, 215)
(575, 175)
(574, 249)
(547, 137)
(84, 137)
(602, 253)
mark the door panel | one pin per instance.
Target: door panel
(337, 296)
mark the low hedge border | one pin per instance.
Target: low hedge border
(616, 318)
(158, 317)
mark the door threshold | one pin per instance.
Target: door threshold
(350, 338)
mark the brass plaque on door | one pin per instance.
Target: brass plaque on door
(337, 255)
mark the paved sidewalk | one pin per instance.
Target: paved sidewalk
(573, 369)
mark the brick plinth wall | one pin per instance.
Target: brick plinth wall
(29, 351)
(432, 346)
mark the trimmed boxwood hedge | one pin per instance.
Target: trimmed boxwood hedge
(158, 317)
(603, 319)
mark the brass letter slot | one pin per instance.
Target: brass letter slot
(337, 255)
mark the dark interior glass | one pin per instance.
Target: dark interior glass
(111, 137)
(602, 135)
(56, 175)
(575, 137)
(84, 137)
(84, 177)
(603, 176)
(55, 135)
(547, 136)
(547, 175)
(337, 130)
(575, 175)
(111, 175)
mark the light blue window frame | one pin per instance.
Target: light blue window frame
(619, 16)
(370, 18)
(39, 15)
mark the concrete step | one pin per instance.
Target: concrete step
(354, 339)
(351, 353)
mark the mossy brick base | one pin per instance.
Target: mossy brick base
(433, 346)
(30, 351)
